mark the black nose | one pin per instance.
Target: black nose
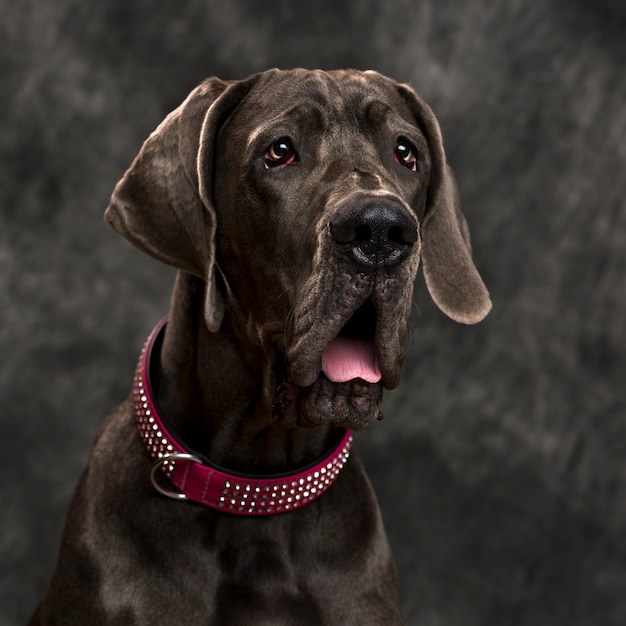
(377, 235)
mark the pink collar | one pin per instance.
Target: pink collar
(202, 481)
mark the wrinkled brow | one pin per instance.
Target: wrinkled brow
(302, 115)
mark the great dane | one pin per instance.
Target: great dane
(296, 206)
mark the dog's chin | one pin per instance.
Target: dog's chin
(354, 404)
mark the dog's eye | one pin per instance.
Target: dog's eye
(281, 152)
(405, 155)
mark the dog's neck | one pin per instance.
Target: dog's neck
(217, 389)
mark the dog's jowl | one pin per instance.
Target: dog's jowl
(297, 207)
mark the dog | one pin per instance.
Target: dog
(296, 206)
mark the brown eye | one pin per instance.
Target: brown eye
(281, 152)
(405, 155)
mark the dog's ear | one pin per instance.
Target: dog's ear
(451, 277)
(164, 202)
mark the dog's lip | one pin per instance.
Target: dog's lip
(353, 404)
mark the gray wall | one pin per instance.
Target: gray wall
(500, 465)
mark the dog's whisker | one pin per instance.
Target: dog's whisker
(289, 323)
(413, 327)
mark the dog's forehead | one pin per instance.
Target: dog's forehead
(336, 95)
(327, 87)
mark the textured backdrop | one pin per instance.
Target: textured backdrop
(500, 466)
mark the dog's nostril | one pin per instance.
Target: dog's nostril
(396, 234)
(375, 235)
(361, 233)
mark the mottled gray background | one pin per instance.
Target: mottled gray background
(501, 465)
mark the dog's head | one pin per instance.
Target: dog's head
(305, 201)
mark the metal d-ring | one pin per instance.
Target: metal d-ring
(174, 456)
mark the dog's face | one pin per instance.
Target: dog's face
(329, 176)
(320, 192)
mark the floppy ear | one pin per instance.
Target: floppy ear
(451, 277)
(158, 204)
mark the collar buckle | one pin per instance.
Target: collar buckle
(166, 464)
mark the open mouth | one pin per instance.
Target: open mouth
(353, 330)
(347, 344)
(352, 353)
(344, 377)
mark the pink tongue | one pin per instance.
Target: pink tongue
(347, 358)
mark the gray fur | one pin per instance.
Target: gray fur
(264, 283)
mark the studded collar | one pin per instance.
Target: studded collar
(196, 478)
